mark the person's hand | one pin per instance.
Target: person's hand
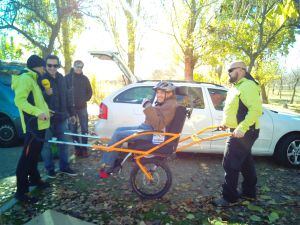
(51, 112)
(72, 119)
(43, 116)
(49, 91)
(222, 127)
(238, 133)
(146, 103)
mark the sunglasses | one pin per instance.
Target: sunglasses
(232, 69)
(53, 65)
(79, 67)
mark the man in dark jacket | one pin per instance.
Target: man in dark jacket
(76, 80)
(55, 94)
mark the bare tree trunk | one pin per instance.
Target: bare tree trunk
(251, 65)
(131, 43)
(280, 87)
(188, 65)
(66, 45)
(131, 33)
(264, 94)
(294, 90)
(54, 34)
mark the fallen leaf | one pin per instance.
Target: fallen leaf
(255, 218)
(255, 208)
(273, 217)
(190, 216)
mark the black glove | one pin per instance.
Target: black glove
(146, 103)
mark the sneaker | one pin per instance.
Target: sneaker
(51, 174)
(103, 174)
(221, 202)
(69, 172)
(40, 184)
(26, 199)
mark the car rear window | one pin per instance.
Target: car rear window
(6, 70)
(135, 95)
(217, 97)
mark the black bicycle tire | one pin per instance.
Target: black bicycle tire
(161, 192)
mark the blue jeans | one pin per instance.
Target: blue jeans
(83, 122)
(120, 133)
(57, 130)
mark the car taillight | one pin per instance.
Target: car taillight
(103, 111)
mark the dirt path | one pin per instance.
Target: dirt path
(196, 180)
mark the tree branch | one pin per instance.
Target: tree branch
(26, 35)
(35, 10)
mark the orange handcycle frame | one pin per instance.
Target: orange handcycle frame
(139, 154)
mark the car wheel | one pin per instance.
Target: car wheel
(8, 134)
(288, 151)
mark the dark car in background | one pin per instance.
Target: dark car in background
(10, 122)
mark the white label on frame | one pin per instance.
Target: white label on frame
(158, 138)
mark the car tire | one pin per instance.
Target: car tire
(287, 152)
(8, 133)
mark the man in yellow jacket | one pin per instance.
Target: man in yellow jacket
(35, 116)
(243, 108)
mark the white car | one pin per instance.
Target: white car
(279, 134)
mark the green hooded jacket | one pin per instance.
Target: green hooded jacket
(23, 85)
(249, 93)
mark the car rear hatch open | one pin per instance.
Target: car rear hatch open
(128, 76)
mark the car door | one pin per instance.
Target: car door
(216, 98)
(200, 117)
(262, 144)
(126, 106)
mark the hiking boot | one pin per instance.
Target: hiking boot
(40, 184)
(221, 202)
(69, 172)
(24, 198)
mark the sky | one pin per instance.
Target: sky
(157, 53)
(292, 60)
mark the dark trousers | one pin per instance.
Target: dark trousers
(27, 165)
(237, 158)
(82, 116)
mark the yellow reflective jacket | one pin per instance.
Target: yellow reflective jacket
(248, 92)
(23, 85)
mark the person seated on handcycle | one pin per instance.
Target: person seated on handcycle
(156, 119)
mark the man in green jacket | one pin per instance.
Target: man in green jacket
(35, 116)
(243, 108)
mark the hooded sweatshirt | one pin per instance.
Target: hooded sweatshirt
(29, 100)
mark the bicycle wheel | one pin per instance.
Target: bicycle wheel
(151, 189)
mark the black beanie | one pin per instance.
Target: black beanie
(35, 61)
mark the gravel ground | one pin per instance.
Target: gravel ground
(197, 178)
